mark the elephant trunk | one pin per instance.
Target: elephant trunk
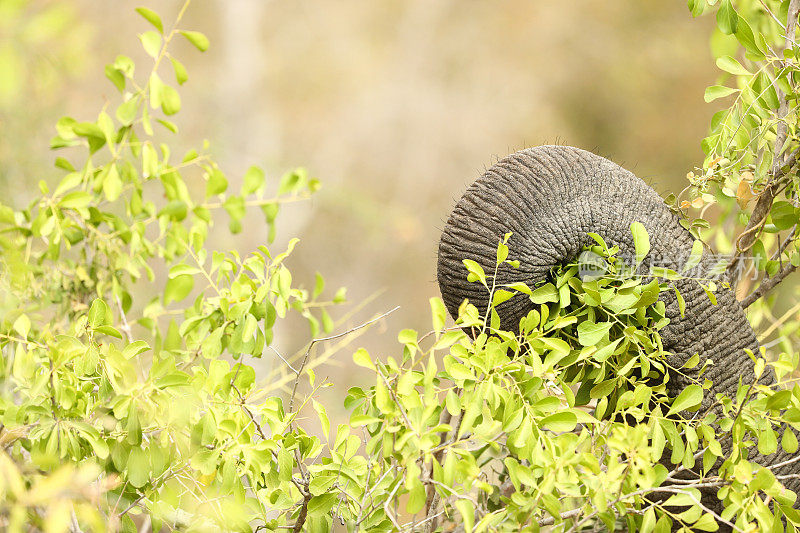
(550, 197)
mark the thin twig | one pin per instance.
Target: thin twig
(126, 328)
(299, 371)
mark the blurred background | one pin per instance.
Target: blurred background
(395, 105)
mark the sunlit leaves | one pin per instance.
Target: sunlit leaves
(718, 91)
(690, 397)
(729, 64)
(641, 241)
(143, 387)
(476, 272)
(727, 18)
(151, 42)
(152, 17)
(197, 39)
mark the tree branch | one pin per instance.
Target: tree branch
(767, 285)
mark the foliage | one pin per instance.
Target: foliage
(750, 170)
(130, 399)
(118, 400)
(565, 424)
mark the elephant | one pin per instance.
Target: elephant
(550, 198)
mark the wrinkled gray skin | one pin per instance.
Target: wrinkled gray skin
(550, 197)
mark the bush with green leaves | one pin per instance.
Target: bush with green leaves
(130, 399)
(118, 400)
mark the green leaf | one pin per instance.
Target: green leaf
(779, 400)
(116, 77)
(199, 40)
(560, 422)
(718, 91)
(138, 467)
(767, 441)
(182, 269)
(125, 65)
(784, 215)
(500, 296)
(690, 397)
(22, 325)
(151, 41)
(545, 293)
(727, 18)
(789, 441)
(340, 296)
(476, 272)
(112, 184)
(180, 71)
(170, 100)
(217, 184)
(178, 288)
(152, 17)
(438, 312)
(134, 349)
(458, 371)
(467, 511)
(706, 523)
(176, 210)
(641, 241)
(745, 36)
(363, 420)
(99, 313)
(319, 285)
(603, 389)
(361, 358)
(126, 112)
(323, 418)
(649, 519)
(590, 333)
(416, 497)
(729, 64)
(108, 330)
(695, 256)
(253, 180)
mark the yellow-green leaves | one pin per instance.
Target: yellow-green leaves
(438, 313)
(718, 91)
(199, 40)
(689, 398)
(152, 17)
(361, 358)
(560, 422)
(170, 100)
(217, 183)
(151, 42)
(476, 272)
(253, 180)
(727, 18)
(502, 249)
(641, 241)
(729, 64)
(180, 71)
(590, 333)
(178, 288)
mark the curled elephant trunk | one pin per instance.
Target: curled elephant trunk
(550, 198)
